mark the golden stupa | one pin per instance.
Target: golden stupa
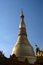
(23, 48)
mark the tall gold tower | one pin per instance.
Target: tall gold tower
(23, 48)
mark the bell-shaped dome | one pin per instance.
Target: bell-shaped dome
(22, 46)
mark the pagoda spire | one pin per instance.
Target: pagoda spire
(22, 16)
(22, 26)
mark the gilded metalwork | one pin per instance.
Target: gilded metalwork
(23, 46)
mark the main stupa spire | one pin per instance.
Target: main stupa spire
(22, 26)
(22, 16)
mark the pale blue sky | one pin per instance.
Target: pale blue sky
(10, 19)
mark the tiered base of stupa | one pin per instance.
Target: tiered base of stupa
(31, 59)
